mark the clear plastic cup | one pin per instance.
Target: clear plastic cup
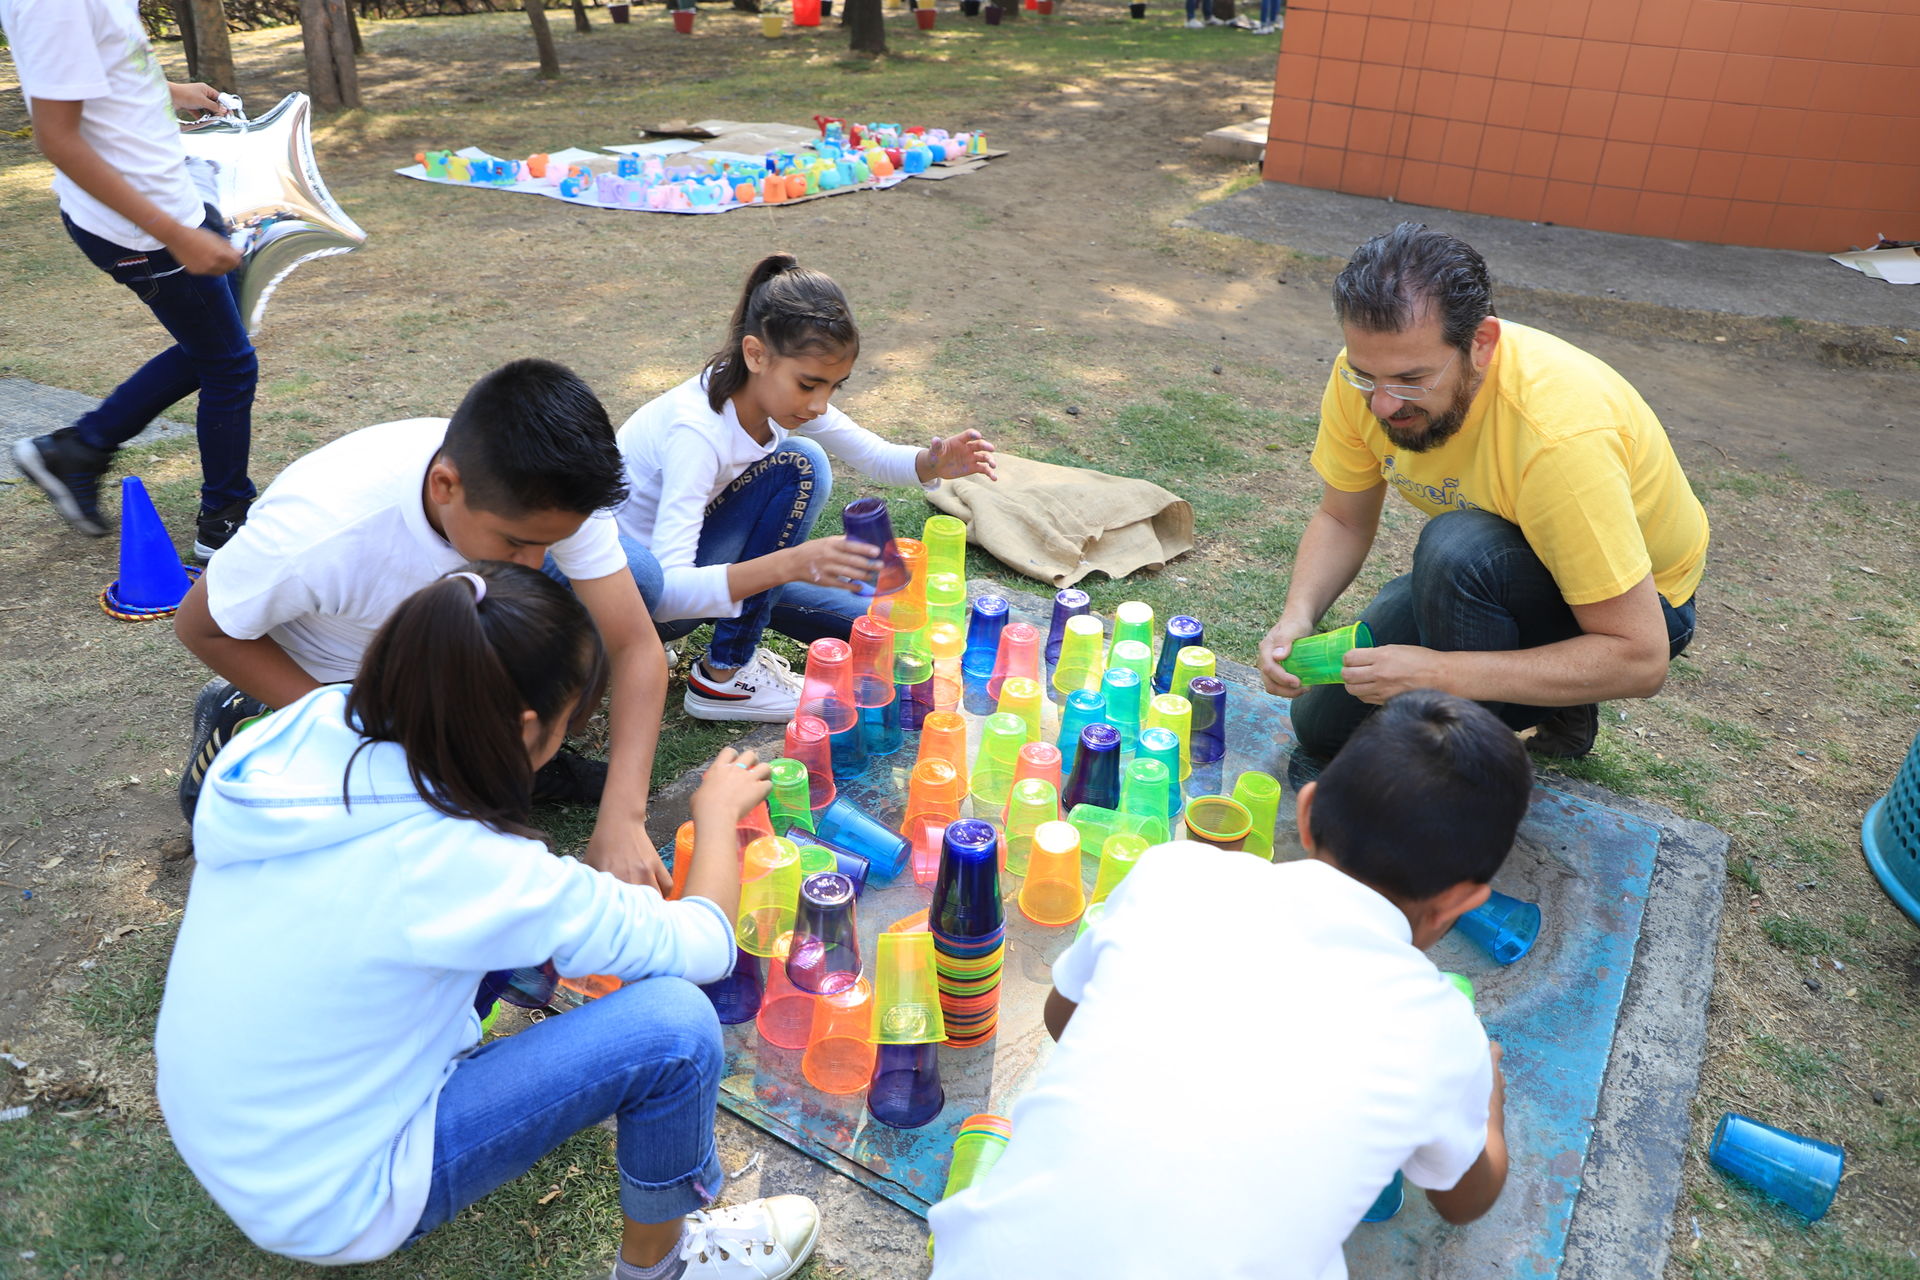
(1118, 853)
(1032, 803)
(1801, 1173)
(1120, 687)
(840, 1049)
(827, 691)
(1053, 893)
(1317, 659)
(1174, 713)
(1096, 825)
(1083, 657)
(1161, 744)
(1024, 698)
(1505, 927)
(810, 742)
(791, 801)
(1134, 656)
(850, 827)
(943, 736)
(824, 955)
(946, 540)
(906, 992)
(872, 646)
(1001, 737)
(947, 601)
(1220, 821)
(1259, 793)
(1018, 655)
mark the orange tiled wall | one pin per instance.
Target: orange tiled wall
(1762, 122)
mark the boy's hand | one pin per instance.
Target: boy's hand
(197, 97)
(733, 784)
(833, 562)
(202, 252)
(1276, 645)
(625, 851)
(951, 457)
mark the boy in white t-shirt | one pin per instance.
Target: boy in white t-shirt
(525, 471)
(1248, 1051)
(104, 115)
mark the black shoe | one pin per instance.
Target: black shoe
(1302, 769)
(68, 471)
(570, 778)
(218, 713)
(1567, 734)
(213, 529)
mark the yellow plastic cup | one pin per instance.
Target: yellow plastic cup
(1052, 893)
(946, 539)
(1260, 793)
(769, 894)
(1025, 698)
(1174, 713)
(1117, 857)
(1032, 803)
(906, 991)
(1190, 664)
(1082, 656)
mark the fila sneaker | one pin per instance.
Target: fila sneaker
(766, 690)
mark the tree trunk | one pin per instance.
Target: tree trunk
(866, 26)
(332, 79)
(543, 38)
(353, 28)
(580, 22)
(747, 6)
(213, 55)
(183, 16)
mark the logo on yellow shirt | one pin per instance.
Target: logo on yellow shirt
(1445, 496)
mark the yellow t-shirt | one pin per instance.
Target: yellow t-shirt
(1557, 443)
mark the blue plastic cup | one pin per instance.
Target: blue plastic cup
(1083, 707)
(849, 749)
(880, 729)
(1095, 779)
(1208, 694)
(1505, 927)
(1801, 1173)
(915, 700)
(966, 889)
(1181, 632)
(1388, 1203)
(1070, 603)
(845, 861)
(1121, 687)
(845, 825)
(984, 625)
(736, 997)
(905, 1091)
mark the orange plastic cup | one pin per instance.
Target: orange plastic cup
(785, 1019)
(1025, 698)
(682, 859)
(943, 736)
(1052, 893)
(1019, 655)
(810, 742)
(757, 825)
(872, 662)
(1030, 805)
(828, 689)
(933, 801)
(1038, 760)
(840, 1048)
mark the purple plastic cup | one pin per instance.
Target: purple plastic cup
(905, 1091)
(1096, 769)
(867, 520)
(1070, 603)
(824, 956)
(1208, 742)
(736, 997)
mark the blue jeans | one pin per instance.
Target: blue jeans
(1476, 586)
(648, 1054)
(211, 354)
(1269, 12)
(771, 505)
(1205, 7)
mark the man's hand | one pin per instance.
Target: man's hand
(1274, 647)
(1374, 675)
(197, 97)
(951, 457)
(202, 252)
(625, 851)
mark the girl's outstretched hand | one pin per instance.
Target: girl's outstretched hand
(951, 457)
(733, 784)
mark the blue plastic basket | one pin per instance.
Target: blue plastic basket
(1891, 836)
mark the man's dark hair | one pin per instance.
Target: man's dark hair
(532, 436)
(1427, 793)
(1393, 280)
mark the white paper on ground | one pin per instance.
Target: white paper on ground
(1895, 266)
(664, 147)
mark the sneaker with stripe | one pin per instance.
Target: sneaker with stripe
(219, 712)
(764, 690)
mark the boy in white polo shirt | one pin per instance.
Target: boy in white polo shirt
(525, 469)
(1248, 1052)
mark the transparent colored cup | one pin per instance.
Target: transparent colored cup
(849, 748)
(1053, 892)
(982, 1140)
(1161, 744)
(1460, 983)
(1317, 659)
(1018, 655)
(916, 704)
(1082, 708)
(786, 1012)
(906, 992)
(984, 625)
(883, 728)
(1801, 1173)
(905, 1090)
(1038, 760)
(1095, 912)
(1097, 825)
(867, 520)
(850, 827)
(1001, 737)
(824, 955)
(1120, 688)
(1118, 853)
(946, 540)
(1220, 821)
(947, 600)
(682, 859)
(1083, 657)
(906, 609)
(758, 823)
(840, 1050)
(1032, 803)
(1259, 794)
(872, 658)
(811, 743)
(933, 801)
(1174, 713)
(1134, 656)
(827, 691)
(736, 997)
(817, 855)
(1181, 632)
(1095, 778)
(1505, 927)
(943, 736)
(1071, 603)
(769, 894)
(1144, 790)
(792, 798)
(1024, 697)
(966, 894)
(1190, 664)
(1133, 620)
(947, 641)
(1208, 697)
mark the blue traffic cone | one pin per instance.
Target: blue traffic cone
(152, 581)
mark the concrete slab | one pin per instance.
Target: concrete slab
(1246, 143)
(1533, 255)
(31, 409)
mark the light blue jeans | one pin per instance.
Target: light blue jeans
(648, 1054)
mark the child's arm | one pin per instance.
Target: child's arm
(1058, 1012)
(1476, 1191)
(56, 128)
(733, 784)
(257, 667)
(638, 662)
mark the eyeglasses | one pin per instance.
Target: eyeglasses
(1368, 386)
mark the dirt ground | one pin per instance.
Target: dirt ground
(1792, 714)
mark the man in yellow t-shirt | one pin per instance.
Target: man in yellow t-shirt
(1559, 567)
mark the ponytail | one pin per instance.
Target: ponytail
(451, 672)
(791, 308)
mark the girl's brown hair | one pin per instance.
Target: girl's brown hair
(453, 669)
(794, 310)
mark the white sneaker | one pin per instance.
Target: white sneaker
(1194, 24)
(765, 1239)
(766, 690)
(1216, 22)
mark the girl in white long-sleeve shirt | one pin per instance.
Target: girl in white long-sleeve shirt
(727, 473)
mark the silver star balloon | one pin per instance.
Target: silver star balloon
(261, 175)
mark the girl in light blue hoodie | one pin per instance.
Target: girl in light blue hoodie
(364, 860)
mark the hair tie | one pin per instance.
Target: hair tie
(479, 583)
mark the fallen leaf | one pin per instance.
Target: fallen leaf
(550, 1197)
(51, 863)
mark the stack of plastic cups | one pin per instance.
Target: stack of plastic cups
(1082, 656)
(1095, 779)
(1001, 737)
(1174, 713)
(839, 1055)
(1132, 655)
(981, 1141)
(984, 625)
(946, 541)
(933, 801)
(1117, 856)
(969, 932)
(1083, 707)
(947, 599)
(1018, 655)
(1024, 698)
(1161, 744)
(1071, 603)
(874, 692)
(946, 641)
(810, 742)
(791, 803)
(904, 1090)
(1208, 697)
(1145, 790)
(1033, 803)
(1120, 688)
(1181, 632)
(823, 956)
(912, 647)
(944, 737)
(867, 520)
(827, 695)
(1133, 620)
(1260, 793)
(1053, 893)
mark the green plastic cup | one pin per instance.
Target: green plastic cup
(1461, 983)
(947, 599)
(1117, 857)
(946, 539)
(1136, 655)
(790, 804)
(1033, 801)
(1173, 713)
(1190, 664)
(1001, 737)
(769, 894)
(1097, 825)
(1133, 620)
(1316, 659)
(1259, 793)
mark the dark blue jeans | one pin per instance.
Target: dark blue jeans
(1476, 586)
(648, 1054)
(772, 504)
(211, 354)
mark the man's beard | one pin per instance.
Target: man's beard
(1439, 429)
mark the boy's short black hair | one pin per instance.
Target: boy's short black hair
(532, 436)
(1427, 793)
